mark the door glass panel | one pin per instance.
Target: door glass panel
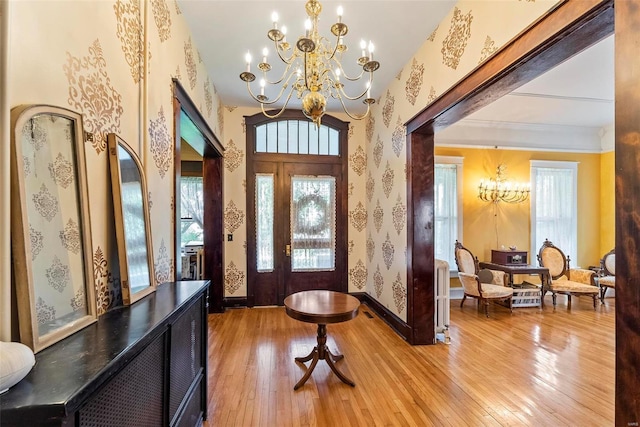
(313, 207)
(264, 222)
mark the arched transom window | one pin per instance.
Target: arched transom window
(297, 137)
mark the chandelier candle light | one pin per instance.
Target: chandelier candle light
(313, 69)
(499, 189)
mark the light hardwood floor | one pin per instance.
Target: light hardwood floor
(532, 367)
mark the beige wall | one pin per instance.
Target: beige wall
(86, 56)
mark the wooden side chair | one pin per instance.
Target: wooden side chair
(607, 277)
(565, 280)
(485, 285)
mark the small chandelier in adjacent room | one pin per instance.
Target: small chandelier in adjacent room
(313, 69)
(499, 189)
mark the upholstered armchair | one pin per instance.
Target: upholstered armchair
(485, 292)
(485, 285)
(607, 277)
(468, 263)
(565, 280)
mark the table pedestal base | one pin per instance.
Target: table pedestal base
(322, 352)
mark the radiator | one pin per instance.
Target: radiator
(199, 264)
(441, 300)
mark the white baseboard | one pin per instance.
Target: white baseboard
(456, 293)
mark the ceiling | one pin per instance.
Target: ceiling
(555, 111)
(571, 107)
(225, 30)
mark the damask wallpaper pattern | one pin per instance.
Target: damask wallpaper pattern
(100, 62)
(358, 217)
(99, 70)
(455, 43)
(129, 31)
(92, 94)
(161, 145)
(162, 18)
(448, 54)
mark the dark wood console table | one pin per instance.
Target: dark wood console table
(321, 307)
(145, 364)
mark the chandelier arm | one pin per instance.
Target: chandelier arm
(353, 116)
(351, 98)
(284, 59)
(284, 87)
(251, 92)
(346, 76)
(354, 98)
(284, 75)
(279, 113)
(335, 49)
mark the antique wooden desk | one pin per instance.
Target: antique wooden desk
(513, 269)
(321, 307)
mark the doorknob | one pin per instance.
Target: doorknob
(287, 250)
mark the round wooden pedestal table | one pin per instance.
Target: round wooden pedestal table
(321, 307)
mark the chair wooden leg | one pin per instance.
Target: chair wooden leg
(603, 291)
(569, 301)
(553, 297)
(464, 297)
(594, 301)
(486, 307)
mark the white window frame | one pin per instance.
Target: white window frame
(458, 161)
(552, 164)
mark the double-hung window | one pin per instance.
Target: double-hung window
(554, 201)
(447, 207)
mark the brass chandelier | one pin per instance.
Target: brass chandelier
(313, 69)
(500, 189)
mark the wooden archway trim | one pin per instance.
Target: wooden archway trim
(560, 34)
(212, 175)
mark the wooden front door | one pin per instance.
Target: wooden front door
(297, 225)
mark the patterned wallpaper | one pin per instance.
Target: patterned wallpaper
(100, 69)
(466, 37)
(235, 252)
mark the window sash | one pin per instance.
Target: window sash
(297, 137)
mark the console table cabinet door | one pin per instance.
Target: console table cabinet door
(186, 357)
(134, 396)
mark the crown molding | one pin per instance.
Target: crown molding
(523, 136)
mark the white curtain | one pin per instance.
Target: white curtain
(446, 212)
(555, 209)
(313, 223)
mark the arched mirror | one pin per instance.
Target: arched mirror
(131, 208)
(51, 232)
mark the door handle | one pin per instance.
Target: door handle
(287, 250)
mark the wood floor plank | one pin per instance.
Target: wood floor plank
(531, 367)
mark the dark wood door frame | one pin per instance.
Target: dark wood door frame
(212, 175)
(341, 240)
(571, 27)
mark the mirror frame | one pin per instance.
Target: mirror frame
(22, 250)
(128, 297)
